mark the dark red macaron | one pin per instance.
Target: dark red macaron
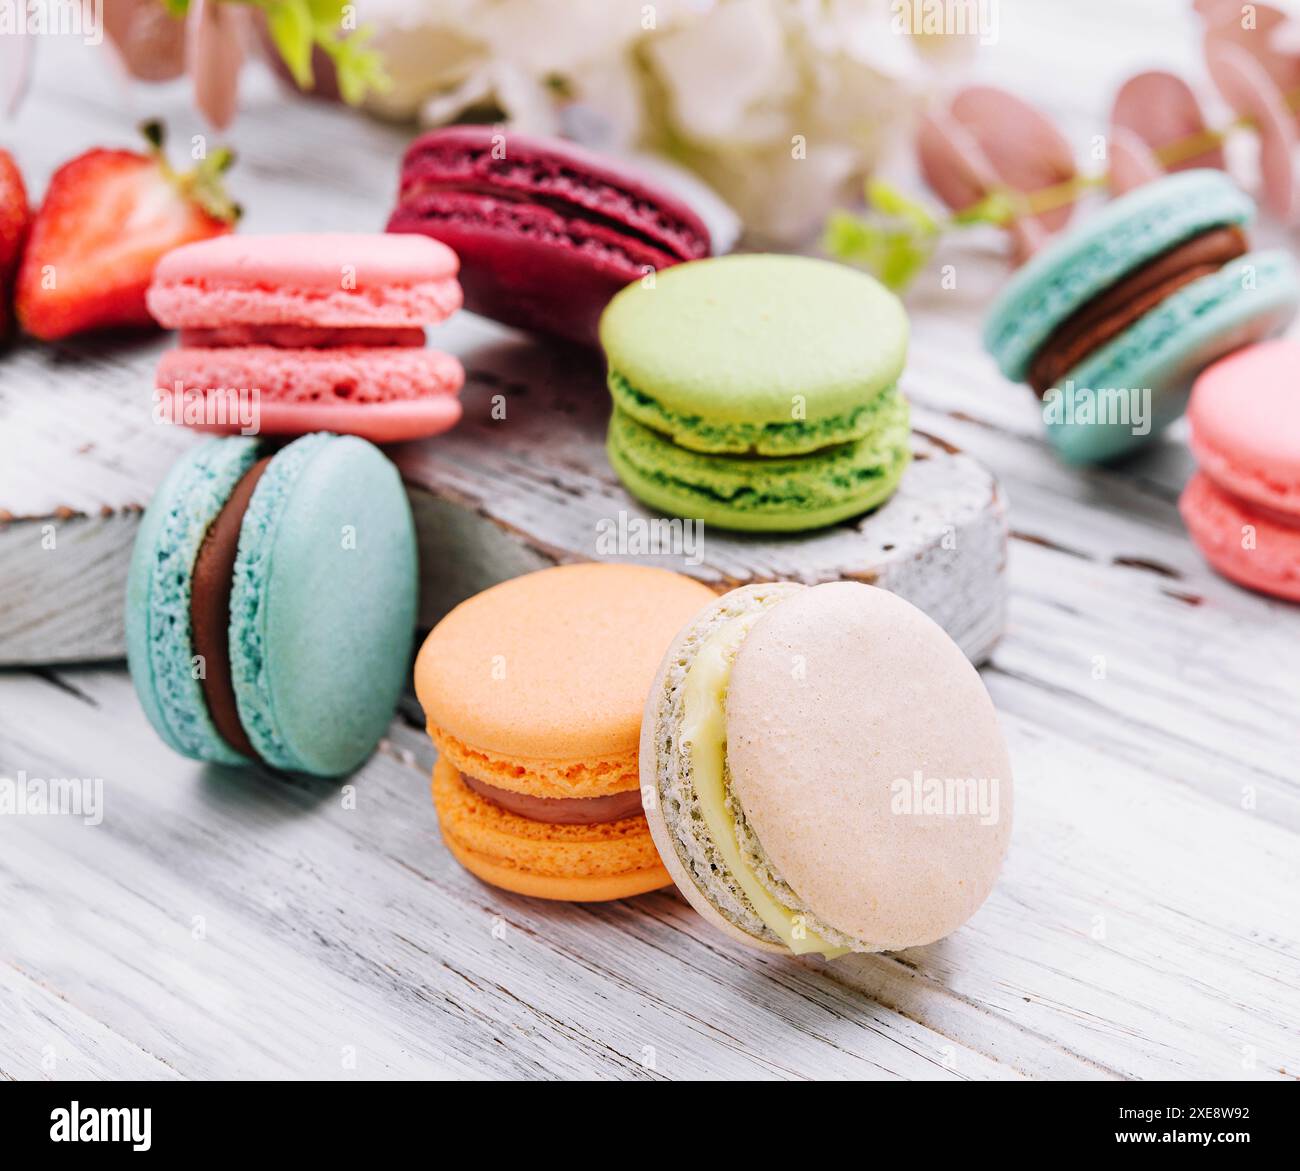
(546, 231)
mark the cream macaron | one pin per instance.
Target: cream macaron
(824, 771)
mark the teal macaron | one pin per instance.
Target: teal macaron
(758, 392)
(271, 602)
(1111, 323)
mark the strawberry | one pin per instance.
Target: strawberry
(15, 216)
(108, 216)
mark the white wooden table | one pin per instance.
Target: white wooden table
(224, 923)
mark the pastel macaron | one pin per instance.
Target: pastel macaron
(547, 232)
(271, 602)
(1110, 323)
(317, 332)
(827, 771)
(758, 392)
(533, 693)
(1242, 507)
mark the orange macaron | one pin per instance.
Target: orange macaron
(533, 691)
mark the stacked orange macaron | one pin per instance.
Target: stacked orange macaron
(534, 691)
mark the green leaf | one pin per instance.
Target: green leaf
(894, 241)
(891, 201)
(291, 27)
(997, 207)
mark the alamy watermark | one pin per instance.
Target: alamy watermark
(922, 796)
(53, 18)
(640, 536)
(1115, 406)
(24, 796)
(226, 407)
(949, 18)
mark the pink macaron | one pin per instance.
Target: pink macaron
(308, 333)
(1243, 507)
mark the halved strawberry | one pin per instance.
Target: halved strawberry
(108, 217)
(15, 216)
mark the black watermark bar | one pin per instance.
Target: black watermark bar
(337, 1119)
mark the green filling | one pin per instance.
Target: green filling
(773, 439)
(864, 472)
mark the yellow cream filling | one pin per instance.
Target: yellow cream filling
(704, 728)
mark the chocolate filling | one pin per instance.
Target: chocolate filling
(560, 810)
(214, 571)
(1113, 310)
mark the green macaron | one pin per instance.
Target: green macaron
(758, 392)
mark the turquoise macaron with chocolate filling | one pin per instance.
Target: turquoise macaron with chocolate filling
(1111, 323)
(758, 392)
(271, 602)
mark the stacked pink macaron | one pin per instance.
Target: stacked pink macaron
(317, 332)
(1243, 507)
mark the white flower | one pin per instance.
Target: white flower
(781, 105)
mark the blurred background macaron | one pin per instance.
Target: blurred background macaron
(319, 332)
(533, 692)
(1110, 323)
(828, 771)
(271, 602)
(547, 232)
(1242, 508)
(758, 392)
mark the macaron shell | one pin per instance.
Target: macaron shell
(324, 279)
(1099, 251)
(393, 422)
(323, 605)
(343, 376)
(792, 494)
(1247, 546)
(159, 647)
(529, 267)
(572, 863)
(837, 693)
(554, 665)
(592, 776)
(561, 172)
(1245, 424)
(1248, 300)
(757, 339)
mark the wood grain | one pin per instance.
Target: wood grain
(1145, 926)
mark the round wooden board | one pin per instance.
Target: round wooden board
(522, 483)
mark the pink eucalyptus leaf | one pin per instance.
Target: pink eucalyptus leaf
(952, 163)
(1272, 38)
(1160, 109)
(1249, 89)
(1023, 146)
(215, 54)
(148, 41)
(1132, 162)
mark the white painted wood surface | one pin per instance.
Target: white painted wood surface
(231, 923)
